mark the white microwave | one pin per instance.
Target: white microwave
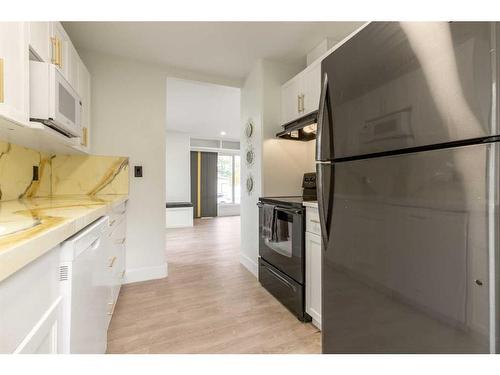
(53, 101)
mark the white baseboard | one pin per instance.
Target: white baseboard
(145, 273)
(249, 264)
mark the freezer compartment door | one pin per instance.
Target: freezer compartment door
(402, 85)
(406, 265)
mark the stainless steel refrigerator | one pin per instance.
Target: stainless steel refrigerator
(408, 179)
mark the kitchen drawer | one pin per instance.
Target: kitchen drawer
(117, 214)
(118, 231)
(312, 221)
(284, 288)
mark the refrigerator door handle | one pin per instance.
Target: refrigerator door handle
(325, 196)
(323, 133)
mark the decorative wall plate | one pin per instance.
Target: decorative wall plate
(249, 129)
(249, 156)
(249, 184)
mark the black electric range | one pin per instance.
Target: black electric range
(282, 246)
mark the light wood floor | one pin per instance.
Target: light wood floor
(208, 304)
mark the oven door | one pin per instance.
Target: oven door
(286, 252)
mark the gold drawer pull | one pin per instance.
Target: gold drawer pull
(315, 221)
(112, 262)
(120, 241)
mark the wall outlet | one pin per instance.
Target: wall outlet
(35, 173)
(137, 170)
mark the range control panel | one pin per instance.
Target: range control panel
(309, 181)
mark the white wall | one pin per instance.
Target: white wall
(279, 164)
(284, 161)
(251, 108)
(178, 165)
(128, 118)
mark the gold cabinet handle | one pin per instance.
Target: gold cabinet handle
(315, 221)
(112, 262)
(121, 241)
(84, 137)
(59, 49)
(303, 102)
(1, 82)
(298, 103)
(53, 43)
(56, 51)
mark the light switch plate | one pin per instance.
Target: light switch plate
(137, 170)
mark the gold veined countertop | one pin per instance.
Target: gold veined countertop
(31, 227)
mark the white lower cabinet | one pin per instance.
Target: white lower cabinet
(30, 310)
(313, 267)
(116, 239)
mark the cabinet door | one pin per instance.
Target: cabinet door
(313, 277)
(39, 40)
(83, 89)
(44, 337)
(312, 87)
(30, 307)
(60, 45)
(290, 104)
(73, 67)
(14, 72)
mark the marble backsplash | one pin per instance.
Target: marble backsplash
(59, 174)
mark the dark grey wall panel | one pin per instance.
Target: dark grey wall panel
(208, 184)
(194, 181)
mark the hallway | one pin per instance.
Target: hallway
(209, 303)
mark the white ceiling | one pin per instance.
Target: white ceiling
(203, 109)
(225, 49)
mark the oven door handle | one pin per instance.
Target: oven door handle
(282, 209)
(288, 211)
(281, 278)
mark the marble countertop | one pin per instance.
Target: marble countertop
(311, 204)
(31, 227)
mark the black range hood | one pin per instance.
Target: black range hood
(294, 130)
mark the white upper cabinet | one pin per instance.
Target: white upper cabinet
(83, 89)
(39, 40)
(290, 100)
(300, 95)
(48, 42)
(311, 86)
(14, 72)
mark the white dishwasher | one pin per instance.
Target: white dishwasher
(84, 287)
